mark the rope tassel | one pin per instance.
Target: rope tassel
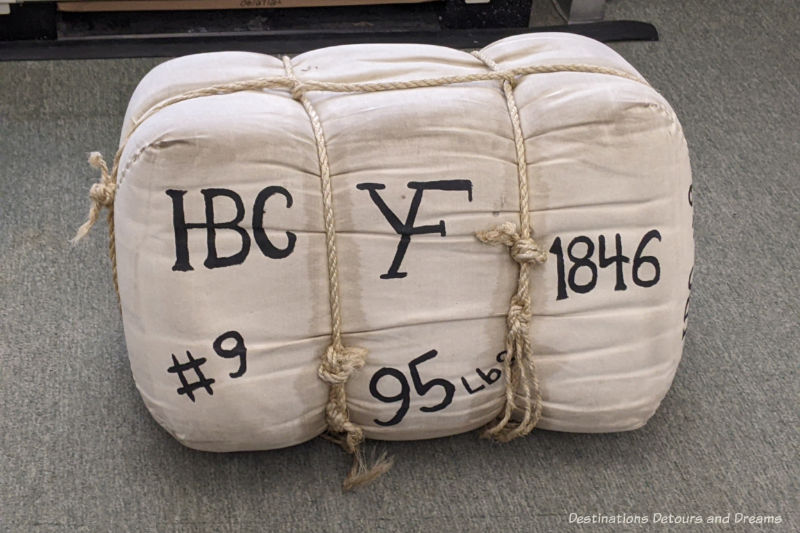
(337, 365)
(102, 195)
(522, 384)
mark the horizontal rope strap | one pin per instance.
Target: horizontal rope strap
(296, 86)
(304, 86)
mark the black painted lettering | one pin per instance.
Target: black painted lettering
(213, 260)
(639, 260)
(403, 396)
(193, 364)
(181, 229)
(686, 307)
(407, 229)
(619, 259)
(263, 242)
(238, 350)
(491, 376)
(469, 389)
(567, 278)
(557, 250)
(424, 388)
(581, 261)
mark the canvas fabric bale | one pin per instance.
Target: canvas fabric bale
(222, 260)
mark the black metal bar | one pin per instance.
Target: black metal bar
(29, 22)
(290, 42)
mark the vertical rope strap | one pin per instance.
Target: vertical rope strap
(522, 385)
(338, 362)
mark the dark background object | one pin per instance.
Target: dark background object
(28, 22)
(39, 31)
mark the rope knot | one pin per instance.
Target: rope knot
(340, 362)
(522, 249)
(102, 193)
(527, 251)
(519, 315)
(297, 89)
(509, 76)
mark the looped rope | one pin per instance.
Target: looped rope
(340, 362)
(298, 89)
(523, 250)
(102, 194)
(505, 75)
(519, 316)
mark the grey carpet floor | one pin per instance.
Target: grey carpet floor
(79, 452)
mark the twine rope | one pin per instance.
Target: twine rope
(520, 372)
(102, 195)
(339, 362)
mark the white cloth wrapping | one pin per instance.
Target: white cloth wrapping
(606, 157)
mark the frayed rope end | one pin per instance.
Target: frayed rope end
(361, 474)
